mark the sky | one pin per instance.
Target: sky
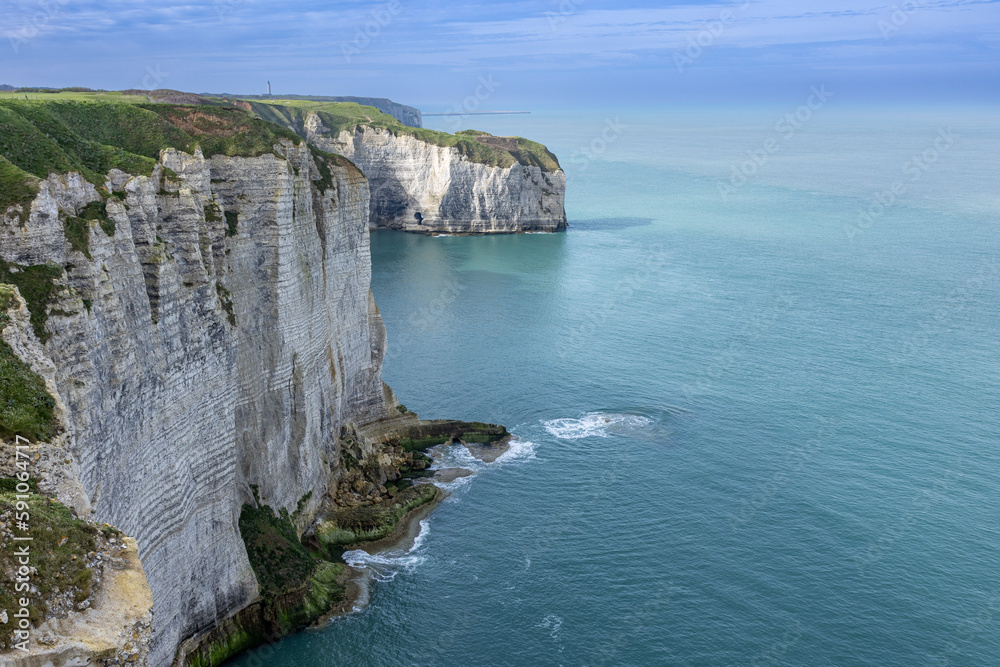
(516, 54)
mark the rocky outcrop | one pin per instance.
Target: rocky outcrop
(420, 186)
(113, 629)
(433, 182)
(217, 337)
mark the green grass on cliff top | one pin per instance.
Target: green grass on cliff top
(93, 132)
(340, 116)
(72, 95)
(55, 135)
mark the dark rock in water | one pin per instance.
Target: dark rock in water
(448, 475)
(488, 453)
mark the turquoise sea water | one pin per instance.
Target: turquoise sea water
(753, 431)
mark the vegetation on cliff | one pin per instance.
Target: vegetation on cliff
(94, 132)
(63, 554)
(26, 407)
(367, 523)
(277, 556)
(300, 580)
(37, 286)
(339, 117)
(297, 587)
(38, 138)
(17, 187)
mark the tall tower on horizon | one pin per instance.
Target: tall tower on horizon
(268, 88)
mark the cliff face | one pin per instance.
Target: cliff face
(212, 346)
(423, 187)
(431, 182)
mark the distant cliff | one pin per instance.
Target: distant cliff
(432, 182)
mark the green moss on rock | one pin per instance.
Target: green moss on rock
(224, 643)
(37, 286)
(268, 620)
(276, 555)
(297, 589)
(367, 523)
(427, 434)
(212, 212)
(26, 407)
(78, 234)
(232, 223)
(227, 303)
(97, 211)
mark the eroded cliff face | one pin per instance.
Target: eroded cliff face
(214, 346)
(421, 187)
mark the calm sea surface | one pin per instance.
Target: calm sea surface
(758, 426)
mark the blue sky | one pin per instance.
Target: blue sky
(536, 53)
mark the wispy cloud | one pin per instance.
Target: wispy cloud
(597, 38)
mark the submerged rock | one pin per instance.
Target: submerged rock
(448, 475)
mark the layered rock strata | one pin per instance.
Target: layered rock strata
(220, 338)
(203, 362)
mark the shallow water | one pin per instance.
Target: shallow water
(747, 435)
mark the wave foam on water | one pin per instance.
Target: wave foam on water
(386, 565)
(597, 425)
(520, 450)
(456, 484)
(457, 456)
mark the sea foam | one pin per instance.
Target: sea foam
(384, 566)
(597, 425)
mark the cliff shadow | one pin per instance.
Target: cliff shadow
(389, 201)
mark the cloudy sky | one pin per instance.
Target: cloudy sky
(547, 52)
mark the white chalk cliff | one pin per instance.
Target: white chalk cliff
(218, 341)
(423, 187)
(204, 348)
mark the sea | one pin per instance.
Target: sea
(756, 391)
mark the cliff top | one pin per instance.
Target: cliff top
(94, 133)
(339, 117)
(407, 115)
(137, 108)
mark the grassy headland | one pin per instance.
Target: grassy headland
(57, 135)
(338, 117)
(91, 132)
